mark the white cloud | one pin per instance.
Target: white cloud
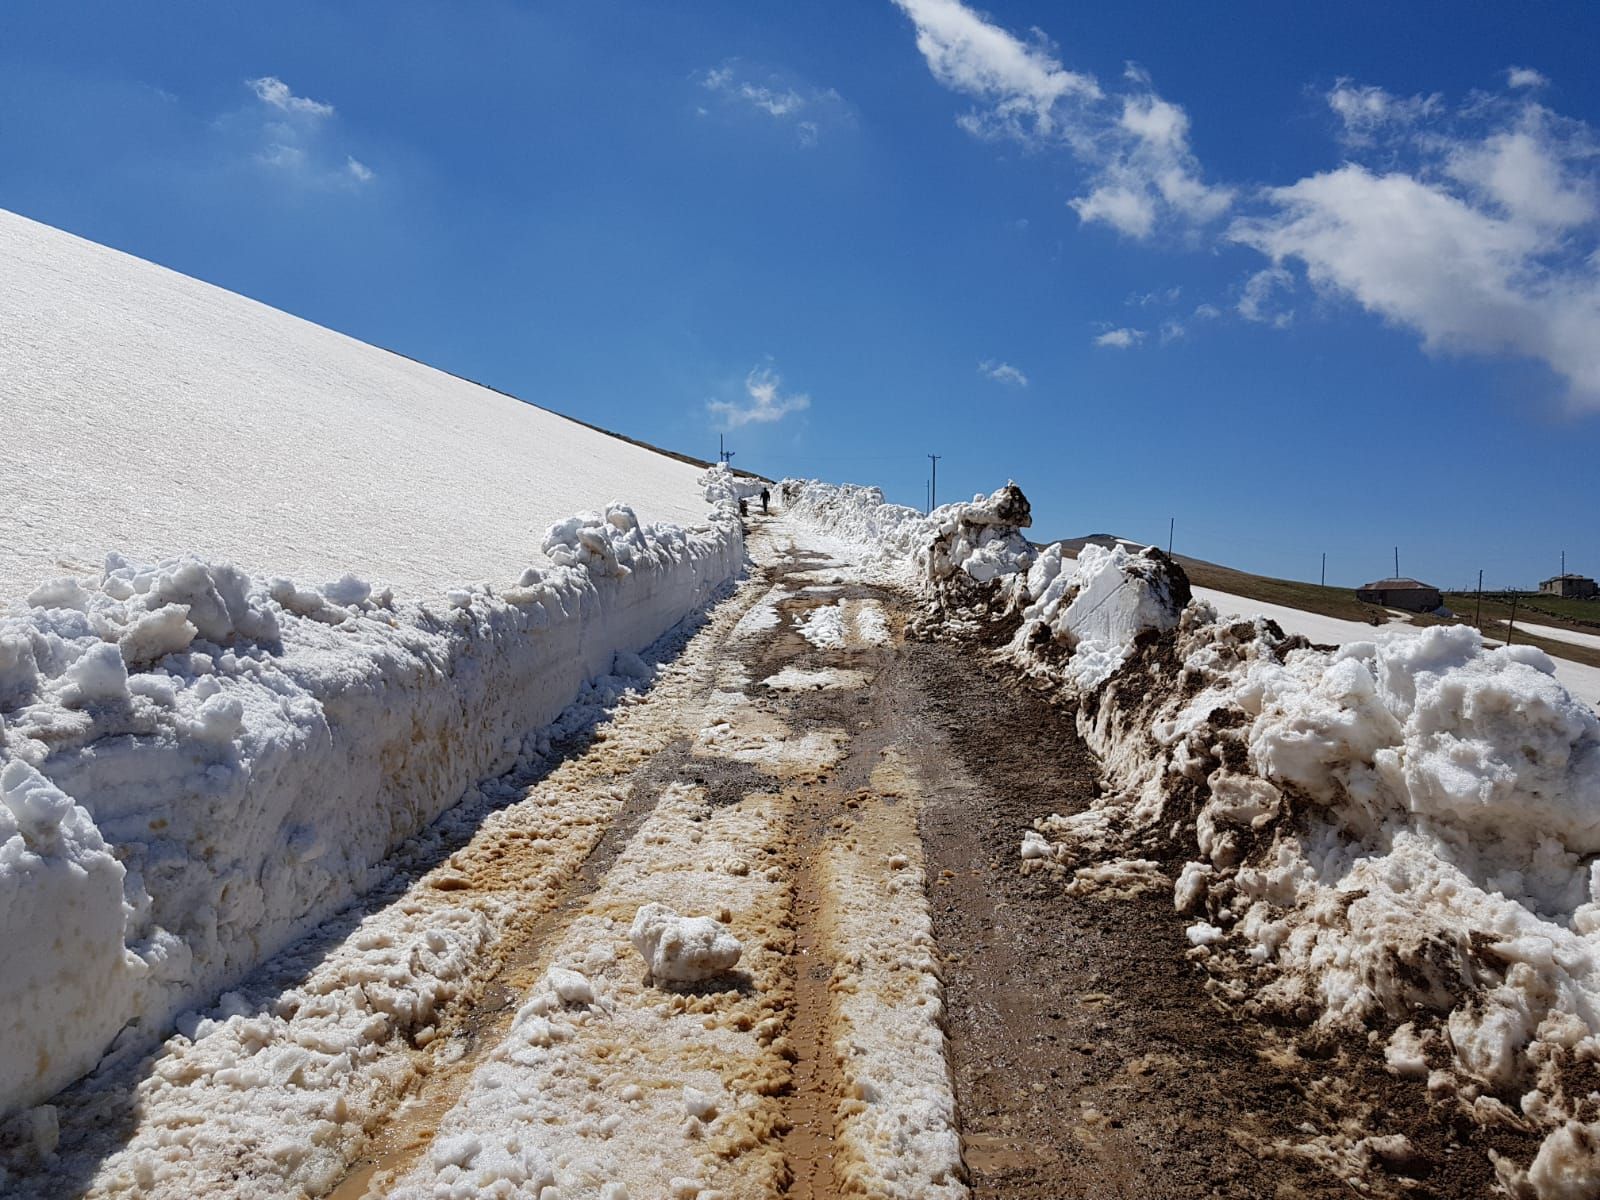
(1206, 312)
(766, 402)
(271, 90)
(1521, 173)
(1135, 146)
(806, 109)
(1258, 297)
(1002, 372)
(1478, 233)
(1120, 339)
(1172, 331)
(1525, 77)
(1364, 110)
(295, 137)
(1023, 84)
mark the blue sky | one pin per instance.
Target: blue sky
(1309, 278)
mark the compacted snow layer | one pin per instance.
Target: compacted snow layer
(896, 1128)
(1402, 831)
(198, 765)
(615, 1083)
(152, 415)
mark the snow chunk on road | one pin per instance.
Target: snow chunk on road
(682, 949)
(795, 679)
(824, 627)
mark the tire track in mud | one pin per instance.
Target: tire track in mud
(797, 1076)
(1089, 1058)
(623, 771)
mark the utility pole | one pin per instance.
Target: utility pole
(1397, 562)
(1563, 562)
(1172, 523)
(1511, 625)
(1324, 568)
(933, 482)
(1478, 620)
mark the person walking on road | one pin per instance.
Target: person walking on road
(765, 496)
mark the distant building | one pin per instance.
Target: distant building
(1401, 593)
(1574, 587)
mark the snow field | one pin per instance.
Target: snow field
(611, 1085)
(213, 1116)
(153, 415)
(897, 1131)
(1406, 827)
(1582, 681)
(198, 766)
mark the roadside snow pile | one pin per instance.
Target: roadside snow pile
(1094, 609)
(857, 514)
(1400, 835)
(1402, 832)
(957, 553)
(198, 766)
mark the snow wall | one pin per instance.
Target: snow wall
(1397, 837)
(197, 767)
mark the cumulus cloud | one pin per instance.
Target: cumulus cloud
(1120, 339)
(807, 110)
(1478, 233)
(1525, 77)
(1140, 171)
(294, 137)
(1002, 372)
(764, 402)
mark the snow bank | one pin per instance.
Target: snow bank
(198, 765)
(958, 552)
(1402, 833)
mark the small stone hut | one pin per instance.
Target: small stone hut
(1574, 587)
(1401, 593)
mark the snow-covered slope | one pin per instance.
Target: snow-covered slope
(153, 415)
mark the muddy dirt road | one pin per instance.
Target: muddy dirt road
(912, 1014)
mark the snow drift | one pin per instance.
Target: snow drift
(197, 765)
(1399, 835)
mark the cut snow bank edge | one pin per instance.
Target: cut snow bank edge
(197, 766)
